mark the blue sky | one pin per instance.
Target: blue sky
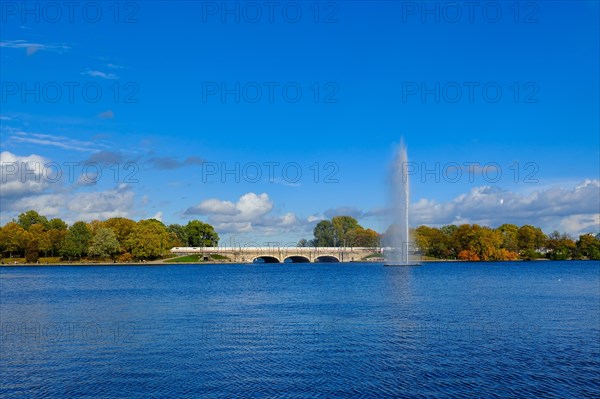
(189, 89)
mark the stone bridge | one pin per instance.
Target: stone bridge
(283, 254)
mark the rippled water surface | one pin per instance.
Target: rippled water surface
(317, 330)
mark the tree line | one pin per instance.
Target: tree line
(464, 242)
(32, 235)
(507, 242)
(342, 231)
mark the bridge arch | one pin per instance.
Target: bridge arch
(265, 259)
(296, 259)
(326, 259)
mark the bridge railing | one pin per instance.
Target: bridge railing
(297, 250)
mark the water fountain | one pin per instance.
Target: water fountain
(398, 253)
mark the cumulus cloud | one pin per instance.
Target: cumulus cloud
(23, 175)
(250, 213)
(214, 206)
(493, 206)
(73, 206)
(249, 208)
(35, 182)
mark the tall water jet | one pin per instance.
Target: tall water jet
(399, 245)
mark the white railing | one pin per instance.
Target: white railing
(271, 249)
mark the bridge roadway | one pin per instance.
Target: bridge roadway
(283, 254)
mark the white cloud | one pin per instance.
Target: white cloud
(574, 210)
(217, 207)
(44, 190)
(315, 218)
(250, 213)
(100, 74)
(65, 143)
(32, 48)
(23, 175)
(249, 208)
(72, 206)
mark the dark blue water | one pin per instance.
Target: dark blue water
(501, 330)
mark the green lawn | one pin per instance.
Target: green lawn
(197, 258)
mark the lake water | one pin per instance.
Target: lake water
(505, 330)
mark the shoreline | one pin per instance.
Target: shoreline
(165, 263)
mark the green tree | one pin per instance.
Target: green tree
(434, 242)
(76, 240)
(57, 240)
(201, 234)
(57, 224)
(531, 240)
(96, 225)
(324, 234)
(560, 246)
(26, 219)
(180, 233)
(149, 239)
(122, 227)
(104, 243)
(510, 237)
(589, 246)
(342, 227)
(449, 232)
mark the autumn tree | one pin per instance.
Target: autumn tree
(560, 246)
(122, 227)
(510, 237)
(96, 225)
(180, 234)
(434, 242)
(57, 240)
(149, 239)
(13, 238)
(40, 235)
(104, 243)
(342, 228)
(531, 240)
(588, 246)
(32, 251)
(361, 237)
